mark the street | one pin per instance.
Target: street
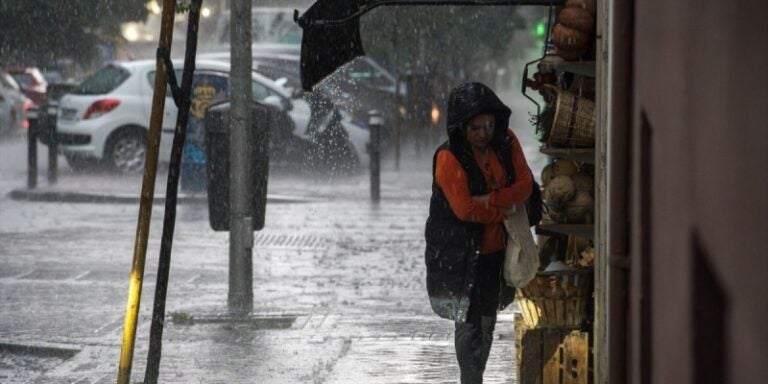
(339, 291)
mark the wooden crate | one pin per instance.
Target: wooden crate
(556, 300)
(552, 356)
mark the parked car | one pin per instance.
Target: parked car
(12, 105)
(31, 81)
(105, 119)
(357, 88)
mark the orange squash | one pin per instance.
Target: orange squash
(570, 55)
(576, 18)
(587, 5)
(569, 39)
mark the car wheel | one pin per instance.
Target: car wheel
(126, 149)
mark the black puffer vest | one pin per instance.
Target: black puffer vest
(452, 244)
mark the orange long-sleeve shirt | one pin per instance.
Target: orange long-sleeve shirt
(452, 180)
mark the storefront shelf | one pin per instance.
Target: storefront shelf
(581, 230)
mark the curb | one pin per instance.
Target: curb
(45, 350)
(80, 197)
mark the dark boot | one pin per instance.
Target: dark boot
(473, 345)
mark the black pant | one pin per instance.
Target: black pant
(473, 339)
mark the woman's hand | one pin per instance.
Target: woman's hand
(482, 199)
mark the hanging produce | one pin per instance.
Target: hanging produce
(573, 32)
(571, 43)
(576, 18)
(587, 5)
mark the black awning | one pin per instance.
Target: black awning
(331, 35)
(326, 47)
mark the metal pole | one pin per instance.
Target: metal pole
(34, 121)
(53, 143)
(240, 297)
(374, 124)
(172, 187)
(147, 195)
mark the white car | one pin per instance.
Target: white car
(11, 105)
(106, 118)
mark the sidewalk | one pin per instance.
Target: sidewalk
(339, 294)
(105, 187)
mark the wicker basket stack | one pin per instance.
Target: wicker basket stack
(574, 122)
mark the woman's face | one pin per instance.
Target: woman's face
(479, 130)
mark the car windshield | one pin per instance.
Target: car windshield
(8, 82)
(103, 81)
(23, 79)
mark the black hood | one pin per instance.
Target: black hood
(469, 100)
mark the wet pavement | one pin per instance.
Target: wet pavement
(339, 294)
(339, 290)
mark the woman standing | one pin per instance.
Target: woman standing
(478, 173)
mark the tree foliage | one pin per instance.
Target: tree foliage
(38, 32)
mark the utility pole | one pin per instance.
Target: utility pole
(240, 297)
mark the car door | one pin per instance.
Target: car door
(207, 87)
(11, 104)
(5, 109)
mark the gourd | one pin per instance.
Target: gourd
(565, 167)
(571, 43)
(579, 209)
(558, 168)
(584, 182)
(576, 18)
(547, 174)
(559, 191)
(575, 24)
(587, 5)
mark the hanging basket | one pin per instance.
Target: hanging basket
(556, 300)
(574, 121)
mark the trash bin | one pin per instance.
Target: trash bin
(48, 111)
(217, 151)
(43, 121)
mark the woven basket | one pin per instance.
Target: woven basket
(574, 121)
(556, 300)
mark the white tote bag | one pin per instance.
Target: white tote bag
(521, 261)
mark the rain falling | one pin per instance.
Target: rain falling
(338, 278)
